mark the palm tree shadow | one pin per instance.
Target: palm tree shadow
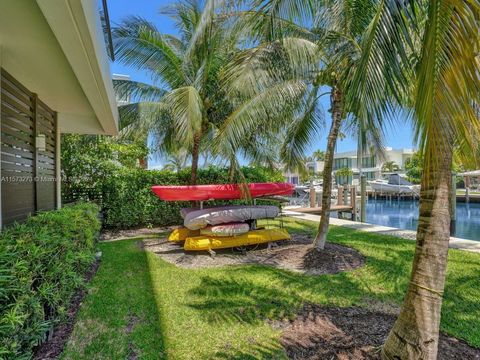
(271, 351)
(237, 299)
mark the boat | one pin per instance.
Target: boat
(194, 219)
(182, 233)
(230, 229)
(220, 192)
(224, 226)
(395, 184)
(205, 242)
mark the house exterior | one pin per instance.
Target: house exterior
(55, 78)
(313, 167)
(371, 164)
(125, 99)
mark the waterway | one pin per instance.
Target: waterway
(403, 214)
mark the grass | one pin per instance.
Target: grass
(224, 313)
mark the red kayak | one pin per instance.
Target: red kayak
(219, 192)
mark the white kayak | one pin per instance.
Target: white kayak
(232, 229)
(198, 219)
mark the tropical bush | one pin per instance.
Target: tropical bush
(127, 200)
(87, 160)
(42, 263)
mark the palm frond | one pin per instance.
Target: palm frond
(139, 44)
(186, 108)
(304, 129)
(136, 91)
(262, 110)
(448, 87)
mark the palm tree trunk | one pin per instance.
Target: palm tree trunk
(415, 333)
(336, 100)
(195, 154)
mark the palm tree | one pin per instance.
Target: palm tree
(196, 98)
(390, 166)
(326, 56)
(187, 102)
(319, 155)
(440, 58)
(176, 160)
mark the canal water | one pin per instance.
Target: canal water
(403, 214)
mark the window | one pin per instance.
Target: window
(342, 163)
(368, 162)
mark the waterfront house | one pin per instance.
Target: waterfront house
(371, 164)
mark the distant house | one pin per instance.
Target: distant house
(55, 78)
(125, 99)
(371, 164)
(313, 167)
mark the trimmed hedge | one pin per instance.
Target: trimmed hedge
(42, 263)
(127, 200)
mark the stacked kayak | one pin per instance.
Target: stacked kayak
(224, 226)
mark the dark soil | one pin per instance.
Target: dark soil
(295, 255)
(132, 351)
(352, 334)
(53, 347)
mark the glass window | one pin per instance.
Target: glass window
(368, 161)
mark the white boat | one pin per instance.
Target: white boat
(394, 185)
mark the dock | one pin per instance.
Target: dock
(317, 210)
(346, 203)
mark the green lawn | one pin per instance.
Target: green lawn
(139, 304)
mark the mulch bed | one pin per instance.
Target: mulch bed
(53, 347)
(352, 334)
(295, 255)
(119, 234)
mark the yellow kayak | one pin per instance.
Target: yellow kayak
(182, 233)
(204, 242)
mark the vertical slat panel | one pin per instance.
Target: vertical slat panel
(28, 174)
(18, 187)
(46, 189)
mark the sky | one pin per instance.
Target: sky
(399, 136)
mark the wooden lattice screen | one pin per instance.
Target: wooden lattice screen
(27, 173)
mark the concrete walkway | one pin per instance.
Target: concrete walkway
(455, 243)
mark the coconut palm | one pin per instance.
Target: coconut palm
(319, 155)
(390, 166)
(193, 97)
(441, 58)
(186, 102)
(325, 56)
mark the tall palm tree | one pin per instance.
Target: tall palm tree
(186, 101)
(193, 97)
(319, 155)
(438, 51)
(325, 56)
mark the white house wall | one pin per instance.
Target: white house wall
(33, 55)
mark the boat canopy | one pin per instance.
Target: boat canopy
(396, 179)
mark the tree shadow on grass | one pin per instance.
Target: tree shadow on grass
(270, 350)
(254, 294)
(119, 317)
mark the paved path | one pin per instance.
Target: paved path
(455, 243)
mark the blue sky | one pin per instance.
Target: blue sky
(398, 137)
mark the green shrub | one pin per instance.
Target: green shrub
(42, 263)
(127, 200)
